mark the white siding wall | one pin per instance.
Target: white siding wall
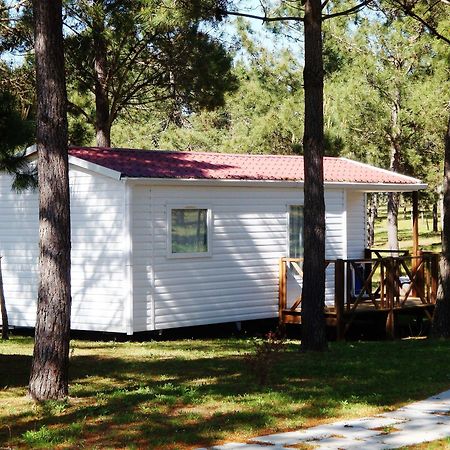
(335, 236)
(240, 280)
(98, 292)
(356, 224)
(141, 226)
(19, 249)
(99, 284)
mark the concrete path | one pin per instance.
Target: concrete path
(424, 421)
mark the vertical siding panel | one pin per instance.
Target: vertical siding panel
(335, 217)
(356, 224)
(19, 230)
(128, 220)
(142, 233)
(99, 287)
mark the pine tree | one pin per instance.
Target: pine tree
(49, 370)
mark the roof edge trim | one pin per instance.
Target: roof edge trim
(367, 187)
(110, 173)
(390, 172)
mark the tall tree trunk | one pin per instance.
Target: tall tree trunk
(392, 220)
(371, 217)
(313, 296)
(49, 370)
(394, 197)
(441, 318)
(435, 217)
(5, 324)
(102, 113)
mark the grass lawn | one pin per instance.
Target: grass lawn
(428, 240)
(191, 393)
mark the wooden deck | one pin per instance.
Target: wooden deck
(369, 288)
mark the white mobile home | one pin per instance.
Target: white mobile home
(171, 239)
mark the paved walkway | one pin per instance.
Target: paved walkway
(423, 421)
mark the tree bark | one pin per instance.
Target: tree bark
(435, 217)
(102, 112)
(372, 216)
(394, 197)
(5, 324)
(313, 295)
(441, 318)
(49, 370)
(392, 220)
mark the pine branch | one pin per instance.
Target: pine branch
(349, 11)
(408, 10)
(264, 19)
(75, 109)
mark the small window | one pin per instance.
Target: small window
(189, 232)
(295, 231)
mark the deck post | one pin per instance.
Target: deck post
(420, 278)
(339, 297)
(368, 266)
(390, 294)
(434, 269)
(415, 223)
(282, 292)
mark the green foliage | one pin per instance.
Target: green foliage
(45, 437)
(264, 115)
(156, 54)
(366, 60)
(16, 26)
(392, 66)
(81, 118)
(14, 134)
(14, 131)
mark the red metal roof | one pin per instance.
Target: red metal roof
(222, 166)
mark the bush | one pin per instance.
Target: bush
(267, 351)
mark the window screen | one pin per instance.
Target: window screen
(295, 231)
(189, 230)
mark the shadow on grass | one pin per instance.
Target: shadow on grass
(14, 370)
(179, 403)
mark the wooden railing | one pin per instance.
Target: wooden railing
(371, 284)
(296, 265)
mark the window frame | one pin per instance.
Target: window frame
(288, 231)
(209, 228)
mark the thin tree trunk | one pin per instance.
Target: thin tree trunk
(313, 296)
(435, 218)
(5, 324)
(371, 218)
(441, 318)
(49, 370)
(392, 220)
(102, 113)
(394, 197)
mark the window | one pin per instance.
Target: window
(189, 230)
(295, 231)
